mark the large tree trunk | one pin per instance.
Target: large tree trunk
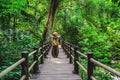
(53, 7)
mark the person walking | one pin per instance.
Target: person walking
(55, 43)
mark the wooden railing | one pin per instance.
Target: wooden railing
(38, 54)
(91, 62)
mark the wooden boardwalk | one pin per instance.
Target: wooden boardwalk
(56, 69)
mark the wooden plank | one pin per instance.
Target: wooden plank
(56, 69)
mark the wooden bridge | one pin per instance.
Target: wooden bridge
(56, 68)
(65, 67)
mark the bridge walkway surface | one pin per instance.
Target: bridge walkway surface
(56, 68)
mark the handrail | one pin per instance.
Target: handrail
(11, 67)
(105, 67)
(40, 48)
(40, 57)
(45, 48)
(72, 56)
(83, 55)
(72, 48)
(91, 61)
(85, 70)
(31, 66)
(32, 52)
(23, 77)
(93, 78)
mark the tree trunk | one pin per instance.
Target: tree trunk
(48, 27)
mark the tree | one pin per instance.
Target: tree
(48, 27)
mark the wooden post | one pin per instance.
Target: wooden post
(45, 48)
(90, 66)
(76, 69)
(25, 65)
(65, 47)
(62, 44)
(49, 46)
(36, 66)
(68, 50)
(42, 61)
(70, 60)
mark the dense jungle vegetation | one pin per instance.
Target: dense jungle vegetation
(93, 25)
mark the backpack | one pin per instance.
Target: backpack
(55, 42)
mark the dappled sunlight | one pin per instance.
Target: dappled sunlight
(57, 61)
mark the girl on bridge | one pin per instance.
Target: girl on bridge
(55, 43)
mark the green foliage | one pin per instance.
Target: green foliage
(102, 74)
(13, 51)
(95, 41)
(93, 25)
(98, 73)
(114, 28)
(21, 26)
(12, 7)
(81, 72)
